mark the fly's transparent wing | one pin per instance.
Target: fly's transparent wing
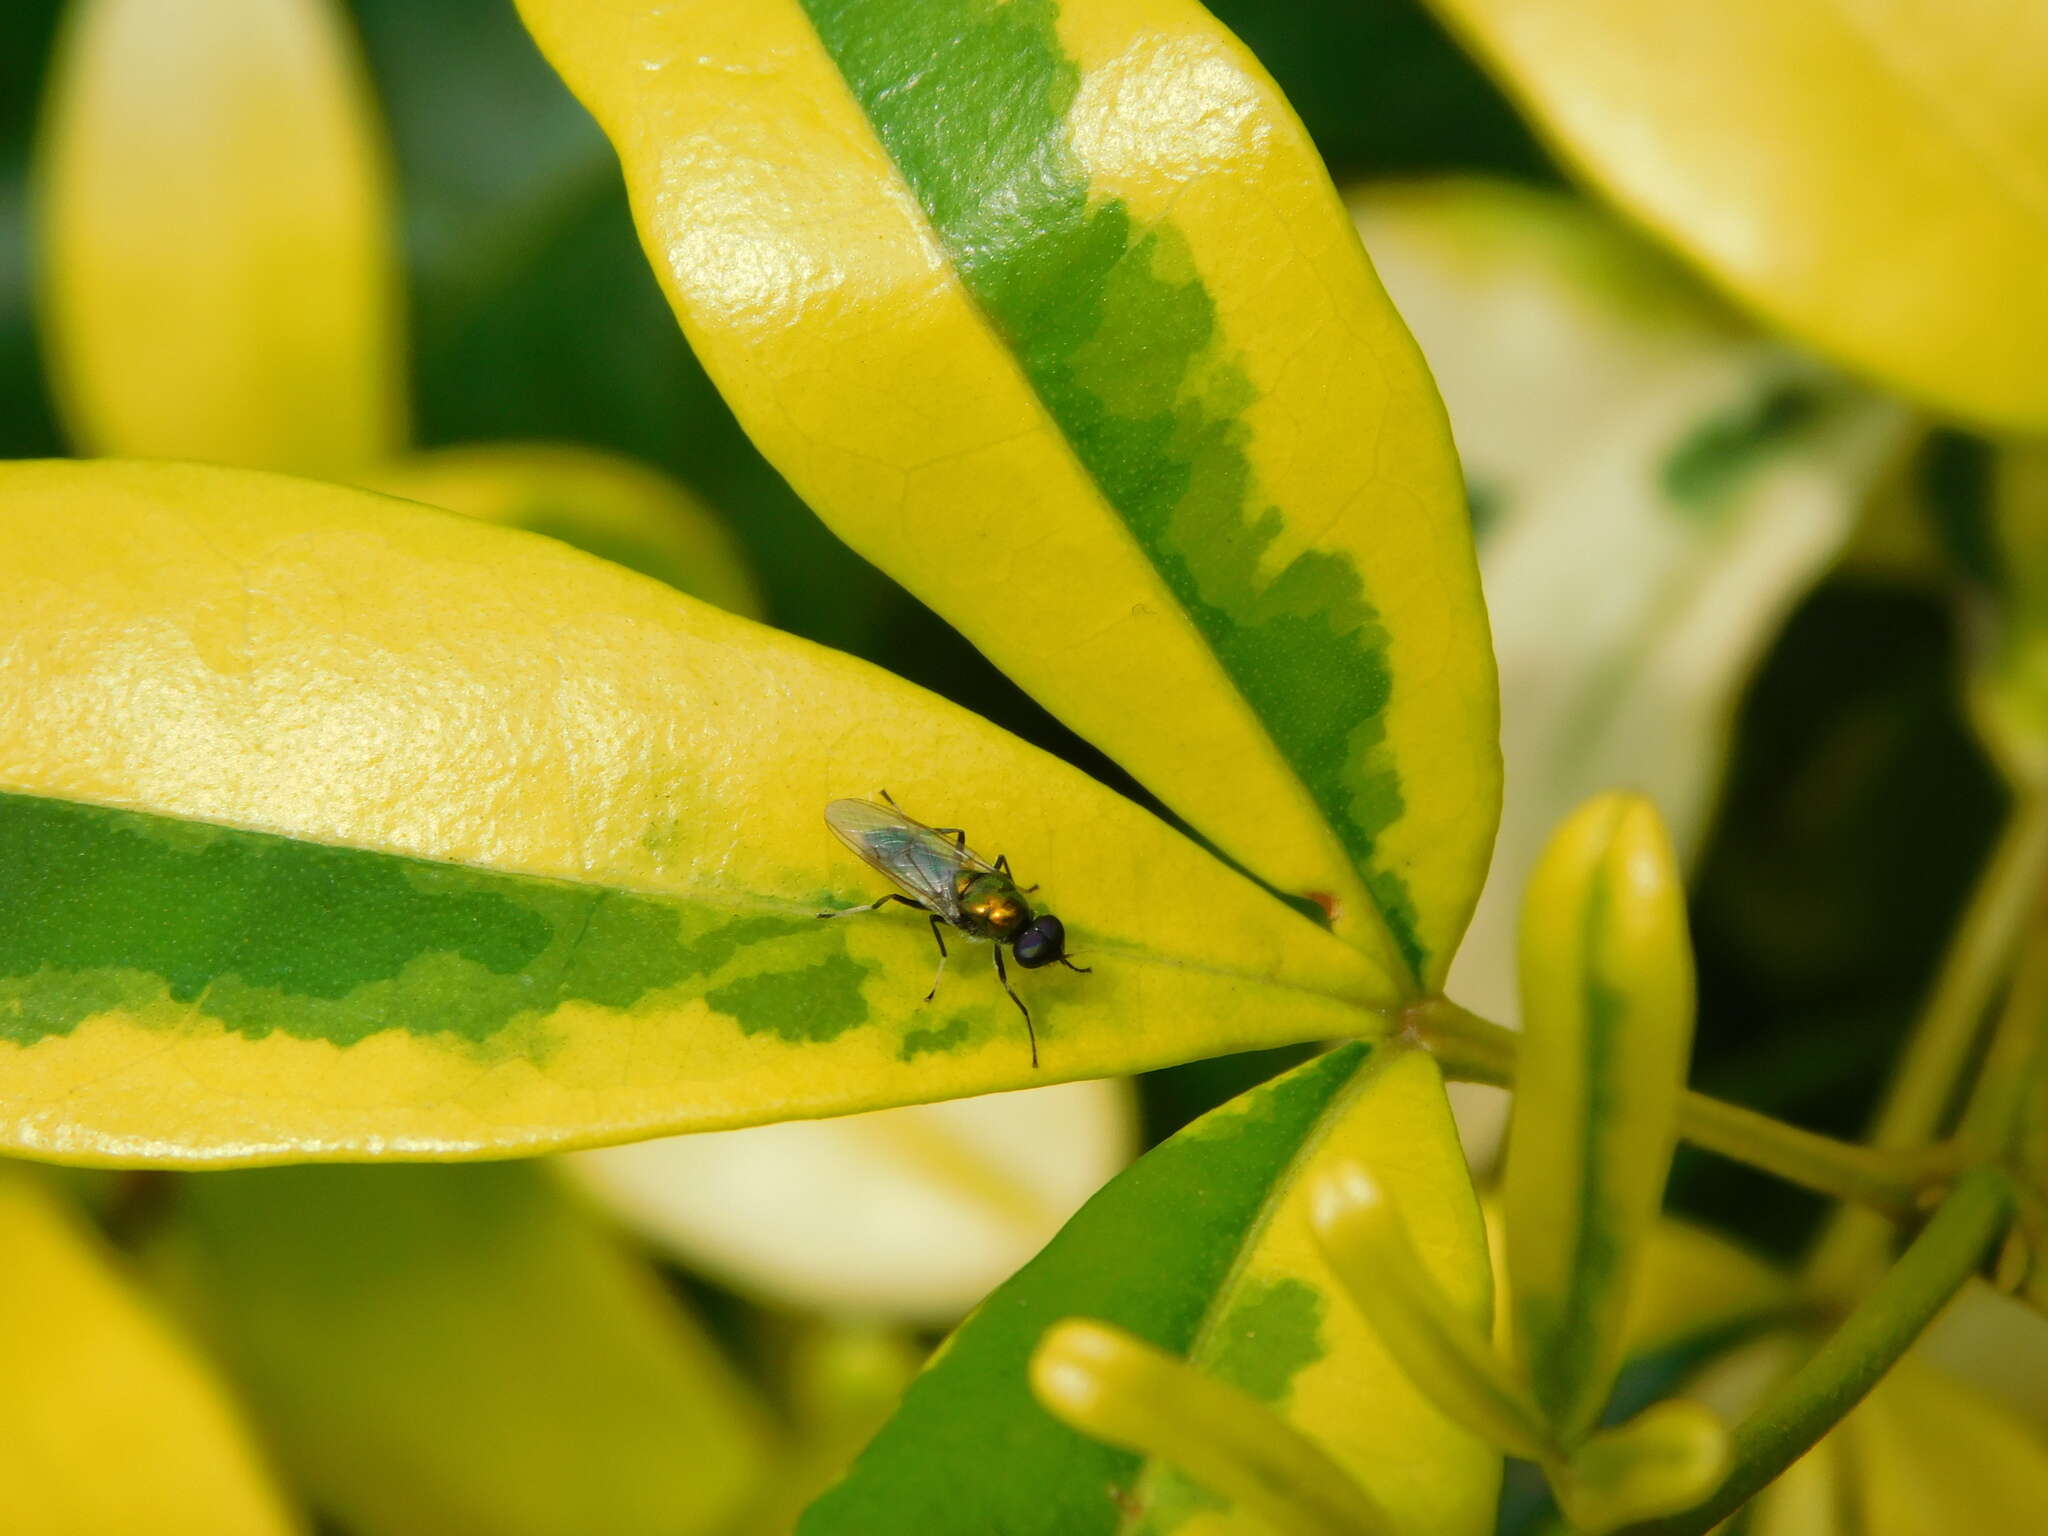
(921, 861)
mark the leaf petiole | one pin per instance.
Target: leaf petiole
(1941, 1046)
(1895, 1184)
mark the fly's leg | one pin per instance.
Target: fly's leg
(1004, 977)
(959, 837)
(938, 938)
(877, 905)
(1002, 867)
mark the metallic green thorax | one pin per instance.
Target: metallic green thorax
(991, 906)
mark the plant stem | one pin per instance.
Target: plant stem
(1478, 1050)
(1934, 1059)
(1856, 1356)
(1881, 1182)
(2018, 1050)
(1924, 1082)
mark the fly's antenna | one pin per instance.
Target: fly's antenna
(1068, 962)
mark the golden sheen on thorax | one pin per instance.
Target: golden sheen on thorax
(993, 904)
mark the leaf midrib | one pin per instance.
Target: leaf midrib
(1385, 951)
(717, 897)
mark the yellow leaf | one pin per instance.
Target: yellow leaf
(110, 1424)
(1607, 1001)
(334, 826)
(1440, 1347)
(1205, 1248)
(1051, 312)
(1286, 1328)
(1808, 1499)
(914, 1213)
(439, 1350)
(1693, 1284)
(1997, 1344)
(1112, 1385)
(218, 278)
(1869, 175)
(1923, 1455)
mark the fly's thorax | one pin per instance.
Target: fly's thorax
(991, 905)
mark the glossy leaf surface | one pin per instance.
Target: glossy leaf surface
(1050, 311)
(110, 1422)
(217, 266)
(1865, 174)
(435, 1350)
(1654, 487)
(914, 1213)
(336, 826)
(1203, 1248)
(1607, 996)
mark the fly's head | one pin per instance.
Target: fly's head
(1042, 942)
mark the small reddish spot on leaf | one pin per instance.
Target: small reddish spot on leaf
(1326, 901)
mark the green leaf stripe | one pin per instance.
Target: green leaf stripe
(170, 920)
(1120, 340)
(1564, 1331)
(974, 1408)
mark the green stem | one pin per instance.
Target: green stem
(1924, 1082)
(2018, 1051)
(1881, 1182)
(1478, 1050)
(1817, 1397)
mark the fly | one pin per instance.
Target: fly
(937, 873)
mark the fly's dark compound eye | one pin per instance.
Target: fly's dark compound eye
(1041, 944)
